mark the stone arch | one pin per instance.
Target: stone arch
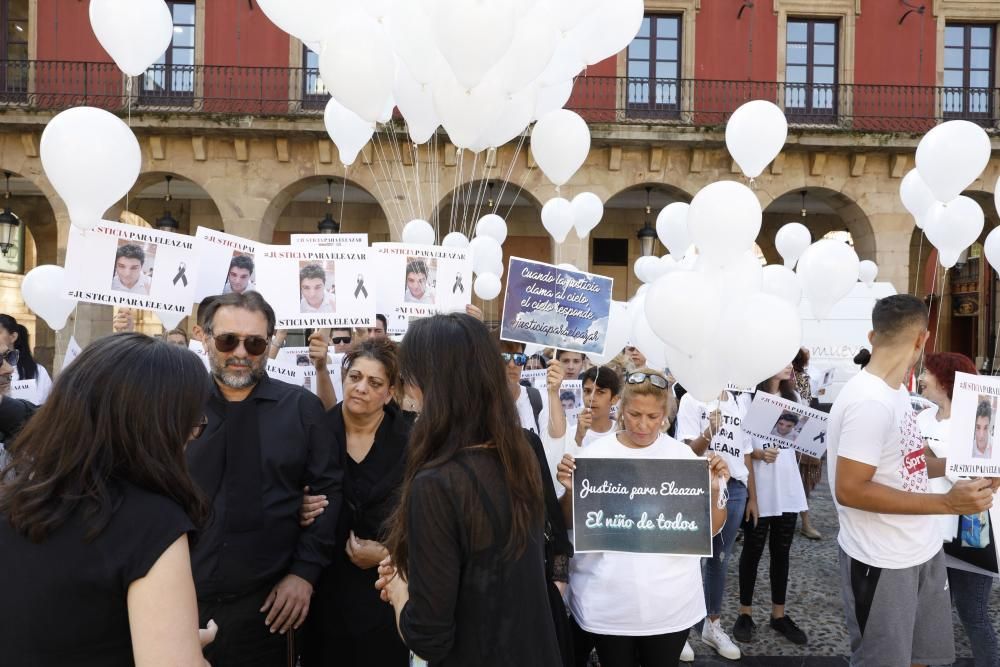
(826, 210)
(191, 204)
(299, 206)
(460, 208)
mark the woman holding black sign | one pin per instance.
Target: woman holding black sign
(639, 620)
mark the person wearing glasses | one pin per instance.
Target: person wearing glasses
(341, 340)
(637, 609)
(529, 402)
(94, 549)
(14, 336)
(255, 568)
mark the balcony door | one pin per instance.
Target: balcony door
(811, 49)
(654, 66)
(969, 56)
(170, 80)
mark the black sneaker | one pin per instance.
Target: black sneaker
(786, 626)
(744, 628)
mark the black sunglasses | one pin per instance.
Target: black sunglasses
(199, 428)
(227, 342)
(655, 380)
(518, 358)
(11, 356)
(340, 340)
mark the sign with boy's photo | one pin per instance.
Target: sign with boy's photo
(226, 263)
(974, 405)
(329, 240)
(115, 264)
(318, 287)
(653, 506)
(785, 424)
(420, 281)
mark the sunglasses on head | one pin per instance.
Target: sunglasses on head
(518, 358)
(11, 357)
(227, 342)
(340, 340)
(639, 378)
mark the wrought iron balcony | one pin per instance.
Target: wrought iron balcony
(296, 92)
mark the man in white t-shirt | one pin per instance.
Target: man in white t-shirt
(530, 403)
(893, 577)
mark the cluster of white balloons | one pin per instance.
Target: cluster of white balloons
(582, 214)
(483, 70)
(949, 159)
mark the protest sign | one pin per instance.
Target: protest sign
(655, 506)
(333, 370)
(284, 373)
(784, 424)
(73, 351)
(550, 306)
(821, 381)
(571, 397)
(135, 267)
(25, 390)
(738, 389)
(972, 450)
(318, 287)
(537, 378)
(226, 263)
(420, 281)
(329, 240)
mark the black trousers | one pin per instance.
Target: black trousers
(782, 532)
(243, 640)
(617, 651)
(328, 645)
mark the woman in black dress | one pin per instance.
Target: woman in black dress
(95, 509)
(348, 624)
(468, 535)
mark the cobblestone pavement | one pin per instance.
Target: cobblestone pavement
(813, 601)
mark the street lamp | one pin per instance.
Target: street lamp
(167, 223)
(9, 222)
(647, 235)
(328, 225)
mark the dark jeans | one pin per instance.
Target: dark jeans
(782, 530)
(970, 593)
(714, 568)
(243, 639)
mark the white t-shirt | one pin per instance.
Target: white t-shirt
(527, 415)
(731, 442)
(43, 383)
(636, 595)
(779, 484)
(874, 424)
(141, 285)
(935, 433)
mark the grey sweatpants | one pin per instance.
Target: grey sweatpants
(897, 617)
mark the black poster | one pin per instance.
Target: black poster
(652, 506)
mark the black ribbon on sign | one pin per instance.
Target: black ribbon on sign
(458, 287)
(181, 274)
(821, 438)
(361, 287)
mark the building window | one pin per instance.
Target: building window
(610, 252)
(14, 14)
(811, 48)
(968, 70)
(314, 93)
(654, 66)
(172, 75)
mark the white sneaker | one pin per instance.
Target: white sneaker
(687, 655)
(713, 635)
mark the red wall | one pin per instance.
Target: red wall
(64, 32)
(722, 44)
(237, 35)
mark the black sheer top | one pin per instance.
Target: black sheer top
(469, 604)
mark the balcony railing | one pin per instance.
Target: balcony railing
(282, 91)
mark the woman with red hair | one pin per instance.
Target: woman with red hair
(971, 568)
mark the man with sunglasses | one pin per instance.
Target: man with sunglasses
(254, 567)
(341, 340)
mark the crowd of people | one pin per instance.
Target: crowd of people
(155, 515)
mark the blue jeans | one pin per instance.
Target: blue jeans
(970, 593)
(714, 568)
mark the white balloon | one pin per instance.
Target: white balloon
(645, 270)
(552, 98)
(642, 336)
(92, 160)
(610, 29)
(473, 36)
(568, 14)
(867, 272)
(916, 196)
(992, 248)
(560, 143)
(418, 232)
(467, 114)
(951, 156)
(497, 270)
(455, 240)
(672, 228)
(409, 26)
(703, 375)
(361, 84)
(304, 19)
(567, 61)
(683, 307)
(557, 218)
(487, 286)
(781, 281)
(617, 334)
(135, 33)
(953, 227)
(588, 209)
(515, 116)
(755, 134)
(791, 241)
(828, 271)
(738, 279)
(763, 336)
(486, 254)
(723, 221)
(169, 319)
(534, 44)
(348, 131)
(416, 103)
(43, 292)
(494, 226)
(566, 266)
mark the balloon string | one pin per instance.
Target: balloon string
(937, 337)
(343, 197)
(510, 172)
(128, 108)
(416, 180)
(916, 277)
